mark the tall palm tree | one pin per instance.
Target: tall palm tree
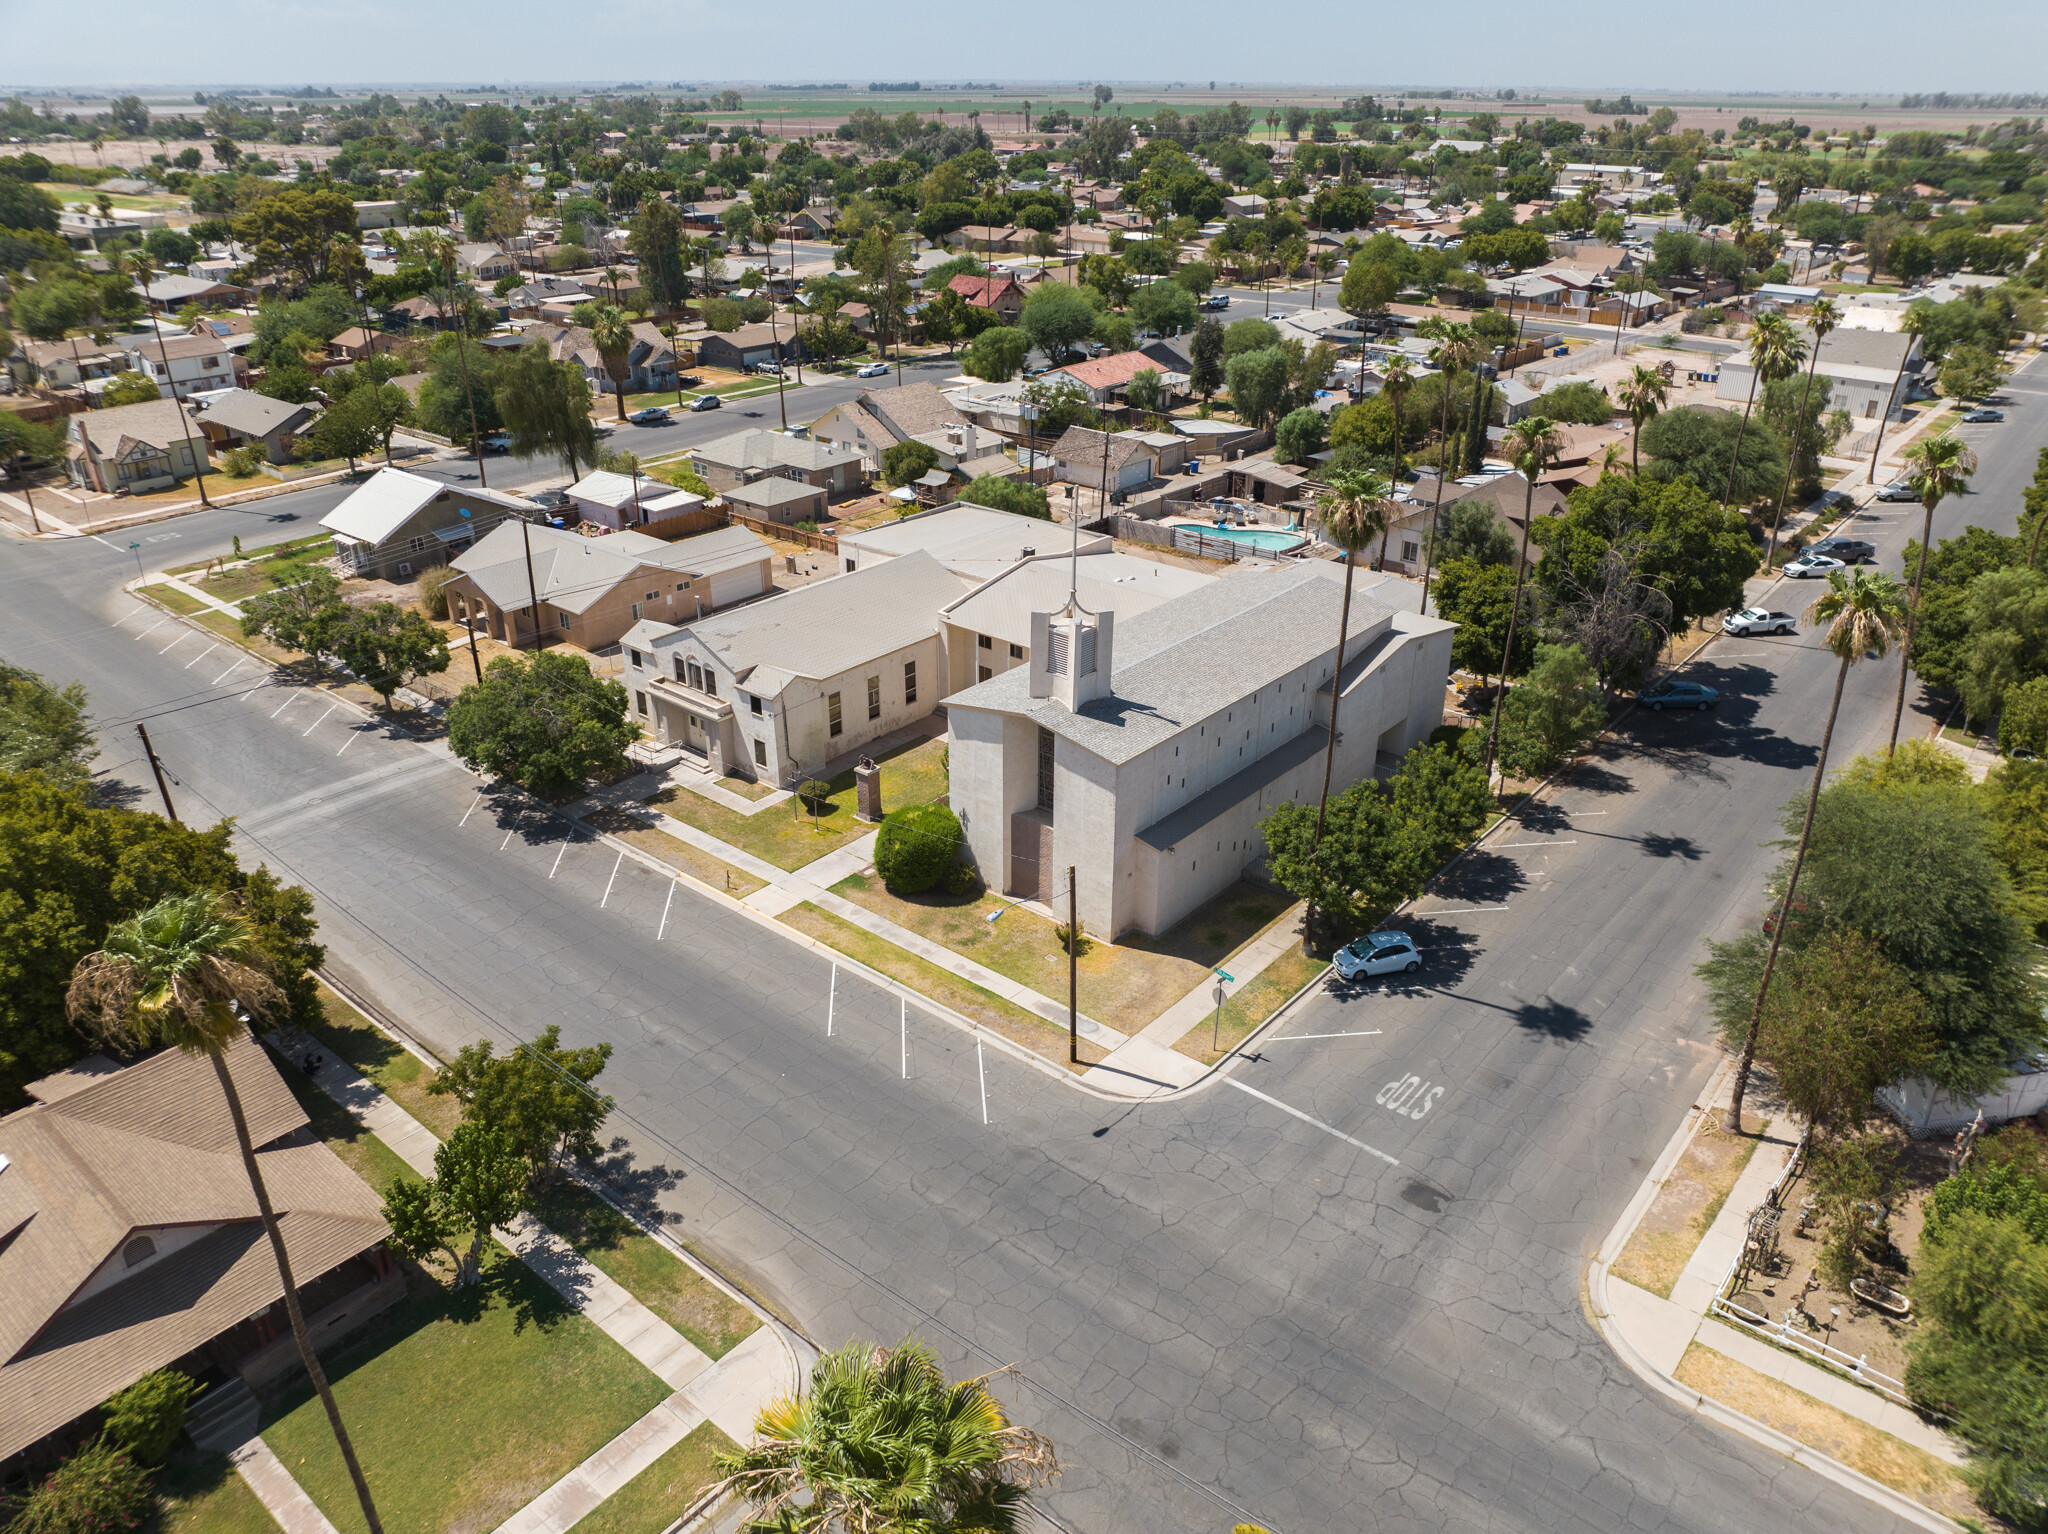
(611, 332)
(879, 1440)
(1643, 395)
(1865, 612)
(1533, 446)
(1456, 348)
(1398, 381)
(1945, 465)
(1354, 512)
(1775, 351)
(186, 972)
(141, 270)
(1820, 321)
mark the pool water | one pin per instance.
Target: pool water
(1272, 540)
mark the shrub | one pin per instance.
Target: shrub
(915, 847)
(432, 598)
(816, 795)
(99, 1490)
(146, 1418)
(962, 880)
(241, 462)
(1069, 940)
(2023, 720)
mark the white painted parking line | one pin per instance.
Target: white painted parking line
(237, 666)
(352, 734)
(1327, 1129)
(479, 799)
(153, 628)
(1359, 1033)
(309, 729)
(611, 881)
(195, 660)
(658, 931)
(558, 854)
(510, 829)
(288, 702)
(1569, 841)
(174, 644)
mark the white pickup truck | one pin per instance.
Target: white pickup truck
(1759, 620)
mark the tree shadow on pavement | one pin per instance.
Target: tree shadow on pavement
(1592, 777)
(1553, 1019)
(1483, 878)
(640, 1186)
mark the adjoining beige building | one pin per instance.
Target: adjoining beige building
(592, 590)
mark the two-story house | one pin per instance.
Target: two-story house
(182, 365)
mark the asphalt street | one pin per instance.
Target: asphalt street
(1339, 1288)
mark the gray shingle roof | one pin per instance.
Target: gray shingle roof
(253, 414)
(911, 410)
(759, 448)
(573, 572)
(773, 491)
(1186, 659)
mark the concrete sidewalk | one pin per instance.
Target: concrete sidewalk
(1652, 1333)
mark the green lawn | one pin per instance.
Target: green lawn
(360, 1151)
(464, 1405)
(658, 1495)
(788, 835)
(281, 565)
(394, 1069)
(177, 601)
(201, 1494)
(657, 1278)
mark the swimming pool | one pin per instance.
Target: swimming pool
(1268, 540)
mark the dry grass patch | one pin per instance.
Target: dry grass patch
(1243, 1013)
(1865, 1449)
(675, 852)
(1677, 1219)
(1042, 1037)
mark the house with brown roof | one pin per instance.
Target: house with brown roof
(130, 1239)
(1121, 460)
(1106, 378)
(993, 238)
(356, 343)
(138, 448)
(881, 418)
(244, 418)
(740, 349)
(999, 294)
(68, 363)
(1506, 494)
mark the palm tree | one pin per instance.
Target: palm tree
(612, 334)
(1775, 352)
(187, 972)
(1397, 382)
(1945, 467)
(1533, 446)
(880, 1441)
(1354, 512)
(1865, 613)
(141, 270)
(1820, 320)
(1456, 349)
(1643, 395)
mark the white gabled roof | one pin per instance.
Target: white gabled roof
(392, 497)
(601, 487)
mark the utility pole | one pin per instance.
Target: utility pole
(1073, 970)
(30, 501)
(526, 538)
(469, 628)
(156, 767)
(775, 338)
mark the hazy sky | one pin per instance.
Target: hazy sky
(1736, 45)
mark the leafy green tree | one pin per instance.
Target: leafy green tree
(880, 1439)
(1055, 318)
(306, 235)
(1249, 335)
(1165, 307)
(1258, 384)
(26, 206)
(1479, 599)
(1008, 494)
(657, 239)
(1865, 613)
(1557, 708)
(1796, 410)
(2007, 648)
(1697, 442)
(1970, 372)
(186, 973)
(302, 611)
(543, 721)
(387, 646)
(539, 1097)
(1581, 403)
(1842, 1021)
(146, 1418)
(480, 1182)
(1470, 530)
(1145, 391)
(545, 405)
(1368, 288)
(1299, 436)
(350, 429)
(130, 388)
(44, 729)
(908, 460)
(996, 354)
(1205, 359)
(915, 847)
(2022, 720)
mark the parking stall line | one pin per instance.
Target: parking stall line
(309, 729)
(152, 628)
(663, 928)
(288, 702)
(611, 881)
(479, 799)
(174, 644)
(195, 660)
(559, 851)
(511, 830)
(1569, 841)
(240, 661)
(352, 734)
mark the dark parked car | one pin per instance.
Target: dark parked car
(1674, 693)
(1850, 551)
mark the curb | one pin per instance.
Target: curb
(1602, 1316)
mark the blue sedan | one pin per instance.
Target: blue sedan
(1675, 693)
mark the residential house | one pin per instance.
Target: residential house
(421, 313)
(1116, 461)
(66, 364)
(527, 301)
(240, 418)
(991, 239)
(774, 499)
(1870, 372)
(974, 542)
(1508, 494)
(592, 589)
(807, 224)
(396, 524)
(1001, 295)
(650, 361)
(483, 263)
(778, 689)
(749, 456)
(1338, 327)
(168, 291)
(225, 327)
(1126, 751)
(356, 343)
(379, 214)
(739, 350)
(1248, 205)
(881, 418)
(182, 365)
(135, 448)
(130, 1240)
(621, 501)
(1107, 378)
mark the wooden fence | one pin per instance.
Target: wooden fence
(787, 534)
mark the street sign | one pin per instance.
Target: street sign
(1226, 977)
